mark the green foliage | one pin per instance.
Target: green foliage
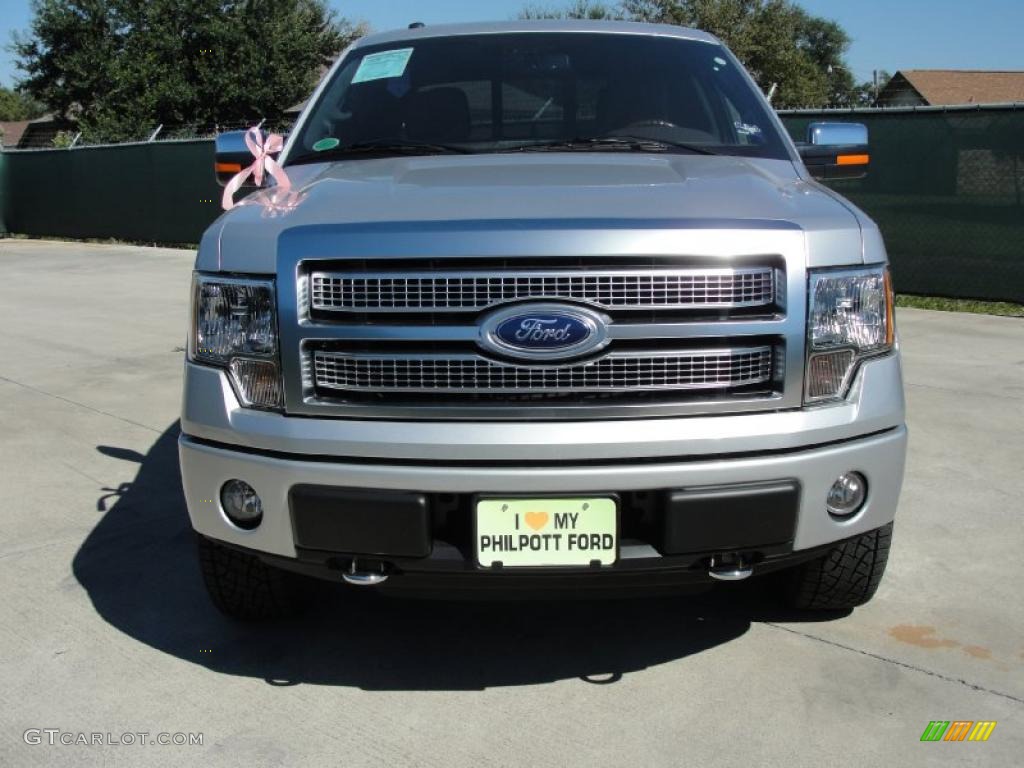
(865, 94)
(578, 9)
(1004, 308)
(15, 105)
(777, 40)
(63, 139)
(120, 67)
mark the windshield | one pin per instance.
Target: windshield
(516, 92)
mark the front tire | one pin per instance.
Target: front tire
(844, 578)
(244, 587)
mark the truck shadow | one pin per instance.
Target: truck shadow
(138, 568)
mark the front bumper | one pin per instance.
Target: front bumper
(810, 447)
(206, 467)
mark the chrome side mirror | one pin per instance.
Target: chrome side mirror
(836, 150)
(837, 134)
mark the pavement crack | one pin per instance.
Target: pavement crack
(98, 411)
(897, 662)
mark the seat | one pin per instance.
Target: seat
(438, 116)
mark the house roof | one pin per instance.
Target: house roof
(40, 133)
(944, 87)
(11, 131)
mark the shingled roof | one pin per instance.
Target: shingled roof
(11, 131)
(944, 87)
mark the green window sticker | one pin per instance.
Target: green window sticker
(380, 66)
(324, 144)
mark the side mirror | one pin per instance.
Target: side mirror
(836, 150)
(231, 155)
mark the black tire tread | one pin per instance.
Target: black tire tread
(846, 577)
(244, 587)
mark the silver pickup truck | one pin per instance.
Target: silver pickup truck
(546, 306)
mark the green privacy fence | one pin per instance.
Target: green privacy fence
(160, 192)
(946, 188)
(3, 194)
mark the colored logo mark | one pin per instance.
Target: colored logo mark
(544, 331)
(958, 730)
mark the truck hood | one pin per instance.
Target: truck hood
(370, 200)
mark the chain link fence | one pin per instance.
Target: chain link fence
(157, 188)
(54, 134)
(946, 186)
(155, 192)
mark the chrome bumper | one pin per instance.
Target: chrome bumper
(221, 441)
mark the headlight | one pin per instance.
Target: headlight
(235, 327)
(849, 318)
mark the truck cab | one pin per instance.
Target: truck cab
(544, 306)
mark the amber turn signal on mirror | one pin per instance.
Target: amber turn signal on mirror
(853, 159)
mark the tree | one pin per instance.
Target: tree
(866, 94)
(579, 9)
(15, 105)
(120, 67)
(779, 42)
(826, 43)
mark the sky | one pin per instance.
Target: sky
(887, 34)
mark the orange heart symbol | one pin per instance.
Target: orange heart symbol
(536, 520)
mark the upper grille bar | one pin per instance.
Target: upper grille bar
(470, 373)
(475, 290)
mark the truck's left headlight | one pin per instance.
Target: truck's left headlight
(849, 318)
(234, 326)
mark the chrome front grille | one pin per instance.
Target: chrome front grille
(386, 333)
(469, 291)
(714, 369)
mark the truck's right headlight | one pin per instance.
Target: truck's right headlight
(234, 326)
(849, 318)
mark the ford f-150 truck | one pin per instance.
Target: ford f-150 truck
(545, 305)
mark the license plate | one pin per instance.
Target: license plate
(546, 532)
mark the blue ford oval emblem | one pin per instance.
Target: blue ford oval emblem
(544, 331)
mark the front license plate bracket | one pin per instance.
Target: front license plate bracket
(545, 531)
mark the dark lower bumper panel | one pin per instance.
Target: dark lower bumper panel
(666, 536)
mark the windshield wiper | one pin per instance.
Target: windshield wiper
(632, 143)
(382, 147)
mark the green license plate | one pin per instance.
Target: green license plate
(546, 532)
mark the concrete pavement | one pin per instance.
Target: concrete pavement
(104, 626)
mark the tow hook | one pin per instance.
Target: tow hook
(369, 576)
(729, 567)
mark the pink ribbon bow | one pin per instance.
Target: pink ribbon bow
(264, 163)
(276, 202)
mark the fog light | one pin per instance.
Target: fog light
(241, 504)
(847, 494)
